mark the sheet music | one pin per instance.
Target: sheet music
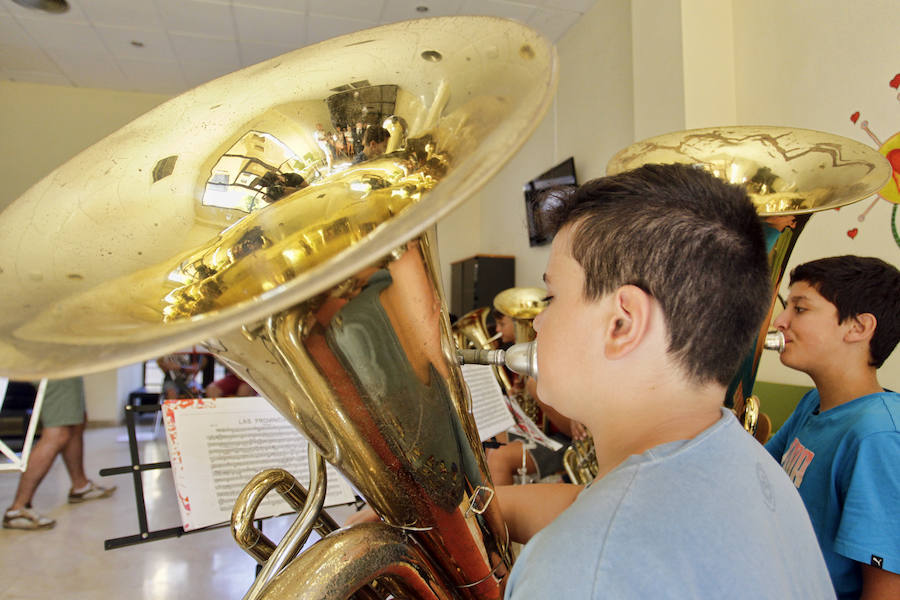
(217, 445)
(528, 428)
(489, 406)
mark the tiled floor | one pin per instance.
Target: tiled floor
(70, 562)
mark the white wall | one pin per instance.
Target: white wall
(811, 64)
(590, 120)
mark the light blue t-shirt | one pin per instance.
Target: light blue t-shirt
(844, 462)
(709, 517)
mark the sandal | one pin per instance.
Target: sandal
(92, 492)
(26, 518)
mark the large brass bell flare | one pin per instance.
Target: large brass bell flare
(786, 171)
(224, 205)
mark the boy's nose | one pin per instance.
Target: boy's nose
(780, 321)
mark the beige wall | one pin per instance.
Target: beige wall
(811, 64)
(44, 125)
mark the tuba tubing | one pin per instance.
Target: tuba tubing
(329, 570)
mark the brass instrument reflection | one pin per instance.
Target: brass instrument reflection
(324, 297)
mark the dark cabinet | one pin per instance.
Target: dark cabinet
(475, 281)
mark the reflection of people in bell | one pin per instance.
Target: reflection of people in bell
(322, 142)
(375, 142)
(279, 185)
(357, 134)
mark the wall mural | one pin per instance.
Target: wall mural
(891, 150)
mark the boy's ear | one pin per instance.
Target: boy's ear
(862, 328)
(629, 321)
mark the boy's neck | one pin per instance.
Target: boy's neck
(667, 417)
(839, 387)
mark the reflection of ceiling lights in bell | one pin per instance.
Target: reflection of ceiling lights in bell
(51, 6)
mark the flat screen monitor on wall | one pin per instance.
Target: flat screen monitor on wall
(543, 193)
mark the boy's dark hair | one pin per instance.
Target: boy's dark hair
(375, 133)
(857, 285)
(692, 241)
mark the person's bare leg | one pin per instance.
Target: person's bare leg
(43, 453)
(73, 457)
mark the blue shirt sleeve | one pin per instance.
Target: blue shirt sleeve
(869, 529)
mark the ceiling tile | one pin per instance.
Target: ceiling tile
(11, 33)
(366, 10)
(74, 14)
(99, 71)
(402, 10)
(154, 77)
(205, 49)
(510, 10)
(324, 28)
(35, 77)
(189, 41)
(553, 23)
(154, 43)
(75, 37)
(291, 5)
(196, 16)
(254, 52)
(272, 26)
(198, 73)
(581, 6)
(121, 12)
(26, 58)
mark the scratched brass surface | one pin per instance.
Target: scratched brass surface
(786, 171)
(165, 233)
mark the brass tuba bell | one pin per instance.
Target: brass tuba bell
(789, 174)
(218, 217)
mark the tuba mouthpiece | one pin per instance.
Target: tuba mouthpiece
(521, 358)
(774, 341)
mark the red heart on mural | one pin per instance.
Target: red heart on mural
(855, 117)
(852, 233)
(895, 82)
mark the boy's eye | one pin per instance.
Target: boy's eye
(546, 299)
(799, 309)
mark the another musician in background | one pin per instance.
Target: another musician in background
(841, 445)
(180, 373)
(229, 386)
(516, 453)
(659, 283)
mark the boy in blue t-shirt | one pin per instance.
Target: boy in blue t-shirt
(841, 445)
